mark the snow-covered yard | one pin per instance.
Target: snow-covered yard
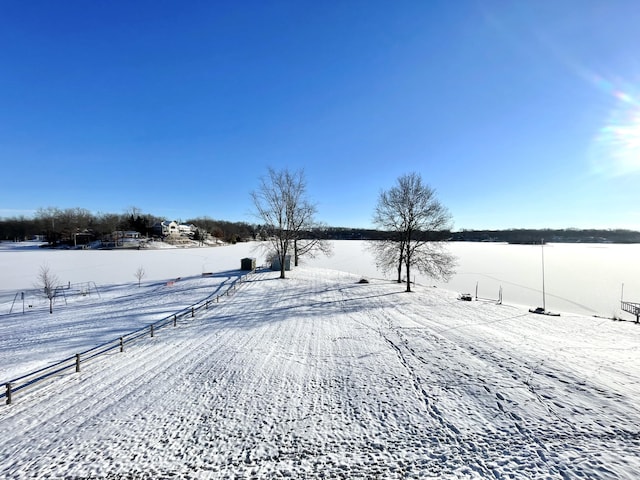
(318, 376)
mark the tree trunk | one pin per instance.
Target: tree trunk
(282, 256)
(400, 262)
(51, 305)
(408, 264)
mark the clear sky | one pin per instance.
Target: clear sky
(519, 113)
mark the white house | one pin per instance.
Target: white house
(165, 228)
(187, 230)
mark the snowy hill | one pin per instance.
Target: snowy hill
(318, 376)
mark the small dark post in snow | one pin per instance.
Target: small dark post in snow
(193, 312)
(77, 362)
(151, 330)
(175, 320)
(121, 345)
(8, 393)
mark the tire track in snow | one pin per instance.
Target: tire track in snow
(295, 379)
(110, 386)
(105, 319)
(540, 433)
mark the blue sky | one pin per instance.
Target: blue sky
(520, 114)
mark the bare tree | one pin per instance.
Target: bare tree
(306, 241)
(140, 273)
(389, 255)
(283, 208)
(311, 247)
(413, 216)
(48, 282)
(47, 217)
(133, 211)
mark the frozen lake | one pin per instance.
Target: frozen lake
(579, 278)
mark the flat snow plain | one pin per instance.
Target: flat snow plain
(319, 376)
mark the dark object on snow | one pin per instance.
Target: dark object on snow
(465, 296)
(275, 263)
(363, 280)
(248, 264)
(542, 311)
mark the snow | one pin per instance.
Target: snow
(316, 376)
(23, 261)
(580, 278)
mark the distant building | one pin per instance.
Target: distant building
(187, 230)
(165, 228)
(123, 239)
(275, 262)
(248, 264)
(122, 234)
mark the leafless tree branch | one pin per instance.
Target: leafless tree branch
(410, 211)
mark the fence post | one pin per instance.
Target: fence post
(8, 393)
(206, 305)
(217, 298)
(121, 345)
(193, 313)
(77, 362)
(152, 330)
(174, 320)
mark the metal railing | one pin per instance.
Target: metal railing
(75, 362)
(632, 308)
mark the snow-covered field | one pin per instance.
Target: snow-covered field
(315, 376)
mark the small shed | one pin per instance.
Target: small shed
(275, 262)
(248, 264)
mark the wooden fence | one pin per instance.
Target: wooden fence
(74, 363)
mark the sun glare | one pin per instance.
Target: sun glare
(616, 148)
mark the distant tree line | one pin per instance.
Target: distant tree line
(57, 226)
(523, 236)
(230, 232)
(345, 233)
(78, 226)
(60, 226)
(531, 236)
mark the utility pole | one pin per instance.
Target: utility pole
(544, 306)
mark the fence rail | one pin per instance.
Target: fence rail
(74, 363)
